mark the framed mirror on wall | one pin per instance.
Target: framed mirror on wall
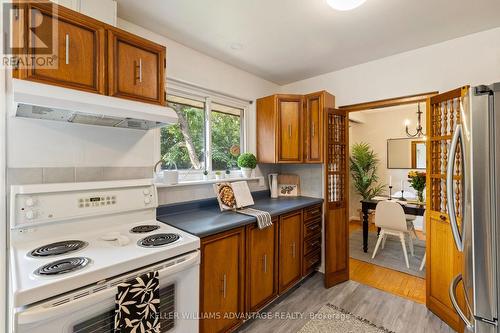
(406, 153)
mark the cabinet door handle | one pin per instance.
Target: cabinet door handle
(264, 259)
(140, 70)
(289, 130)
(67, 49)
(138, 67)
(293, 250)
(313, 129)
(224, 285)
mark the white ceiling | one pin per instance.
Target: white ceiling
(289, 40)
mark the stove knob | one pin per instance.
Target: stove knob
(30, 215)
(29, 202)
(146, 191)
(147, 200)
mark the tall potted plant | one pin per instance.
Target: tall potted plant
(364, 163)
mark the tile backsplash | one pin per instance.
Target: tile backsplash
(20, 176)
(311, 180)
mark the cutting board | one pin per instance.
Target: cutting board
(288, 179)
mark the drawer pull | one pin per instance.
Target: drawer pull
(314, 212)
(293, 250)
(313, 129)
(264, 259)
(289, 130)
(315, 243)
(314, 227)
(442, 217)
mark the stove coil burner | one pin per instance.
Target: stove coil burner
(63, 266)
(158, 240)
(141, 229)
(58, 248)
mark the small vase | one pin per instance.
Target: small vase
(246, 172)
(420, 196)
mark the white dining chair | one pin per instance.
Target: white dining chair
(390, 218)
(422, 265)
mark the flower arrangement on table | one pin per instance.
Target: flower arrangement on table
(417, 180)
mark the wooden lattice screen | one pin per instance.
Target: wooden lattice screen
(444, 116)
(444, 261)
(336, 157)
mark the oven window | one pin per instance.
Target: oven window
(104, 322)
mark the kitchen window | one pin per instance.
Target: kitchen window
(209, 135)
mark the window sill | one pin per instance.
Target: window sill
(211, 181)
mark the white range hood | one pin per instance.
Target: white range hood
(42, 101)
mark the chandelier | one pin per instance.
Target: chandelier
(420, 130)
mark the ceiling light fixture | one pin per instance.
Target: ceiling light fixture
(420, 130)
(344, 4)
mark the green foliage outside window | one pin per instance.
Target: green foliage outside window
(183, 144)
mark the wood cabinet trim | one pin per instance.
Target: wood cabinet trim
(240, 232)
(75, 19)
(283, 287)
(248, 267)
(300, 146)
(115, 36)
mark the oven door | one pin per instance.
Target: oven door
(92, 309)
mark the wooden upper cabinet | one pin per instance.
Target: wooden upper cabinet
(290, 250)
(136, 68)
(290, 128)
(222, 280)
(279, 129)
(261, 266)
(91, 55)
(314, 106)
(80, 49)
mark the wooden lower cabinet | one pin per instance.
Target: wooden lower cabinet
(262, 267)
(245, 269)
(222, 281)
(290, 250)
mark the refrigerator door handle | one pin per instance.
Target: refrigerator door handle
(450, 170)
(453, 298)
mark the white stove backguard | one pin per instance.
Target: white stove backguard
(34, 205)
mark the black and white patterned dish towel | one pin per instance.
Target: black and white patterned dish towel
(137, 305)
(264, 219)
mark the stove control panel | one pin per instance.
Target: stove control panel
(38, 206)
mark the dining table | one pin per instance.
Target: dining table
(410, 208)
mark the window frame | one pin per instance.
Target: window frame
(185, 90)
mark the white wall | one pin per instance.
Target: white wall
(473, 59)
(33, 143)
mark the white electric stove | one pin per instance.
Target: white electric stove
(73, 243)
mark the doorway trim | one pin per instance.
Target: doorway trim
(383, 103)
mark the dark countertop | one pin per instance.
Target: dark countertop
(203, 217)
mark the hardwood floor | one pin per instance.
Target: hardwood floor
(401, 284)
(381, 308)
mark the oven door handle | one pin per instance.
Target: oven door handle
(42, 313)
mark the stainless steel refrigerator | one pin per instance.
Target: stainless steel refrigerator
(478, 234)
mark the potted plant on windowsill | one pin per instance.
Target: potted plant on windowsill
(205, 175)
(219, 175)
(363, 167)
(247, 162)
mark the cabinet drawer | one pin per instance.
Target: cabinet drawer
(311, 261)
(312, 244)
(312, 213)
(312, 228)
